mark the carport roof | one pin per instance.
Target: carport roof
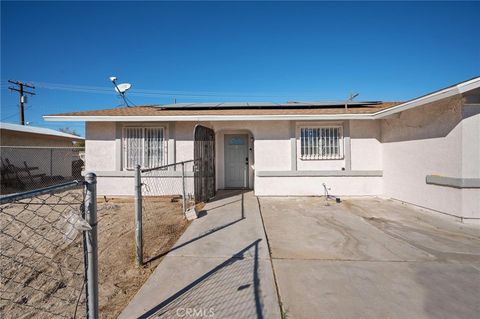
(37, 130)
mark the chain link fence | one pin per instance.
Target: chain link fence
(156, 190)
(48, 252)
(26, 168)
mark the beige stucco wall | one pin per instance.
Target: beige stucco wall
(51, 154)
(13, 138)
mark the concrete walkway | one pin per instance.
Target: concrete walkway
(371, 258)
(220, 268)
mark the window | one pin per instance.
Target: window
(321, 143)
(145, 146)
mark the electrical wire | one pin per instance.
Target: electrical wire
(129, 101)
(146, 92)
(8, 117)
(14, 114)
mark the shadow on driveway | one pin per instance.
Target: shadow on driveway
(211, 231)
(230, 290)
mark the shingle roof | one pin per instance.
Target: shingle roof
(155, 110)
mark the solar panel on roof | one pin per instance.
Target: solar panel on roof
(246, 105)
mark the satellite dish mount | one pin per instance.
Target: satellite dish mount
(121, 89)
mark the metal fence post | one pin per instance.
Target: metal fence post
(138, 215)
(184, 203)
(91, 243)
(51, 162)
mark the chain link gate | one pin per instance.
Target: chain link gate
(48, 255)
(204, 156)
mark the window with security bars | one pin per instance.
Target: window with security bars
(145, 146)
(321, 143)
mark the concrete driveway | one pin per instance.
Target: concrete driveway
(371, 258)
(219, 268)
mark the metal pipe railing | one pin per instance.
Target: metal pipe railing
(41, 191)
(138, 205)
(138, 216)
(145, 170)
(91, 242)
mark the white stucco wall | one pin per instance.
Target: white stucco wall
(270, 149)
(308, 164)
(100, 146)
(184, 140)
(309, 186)
(366, 147)
(471, 158)
(267, 141)
(434, 139)
(442, 138)
(471, 141)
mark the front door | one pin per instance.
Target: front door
(236, 161)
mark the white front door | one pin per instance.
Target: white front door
(236, 161)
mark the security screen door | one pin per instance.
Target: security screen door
(236, 161)
(204, 171)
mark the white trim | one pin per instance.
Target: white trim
(429, 98)
(417, 102)
(199, 118)
(320, 173)
(432, 97)
(469, 85)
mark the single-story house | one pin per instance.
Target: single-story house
(26, 135)
(29, 153)
(425, 151)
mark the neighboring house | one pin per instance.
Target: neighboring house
(50, 152)
(425, 151)
(26, 135)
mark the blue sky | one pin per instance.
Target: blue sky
(225, 51)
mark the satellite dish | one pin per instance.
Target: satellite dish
(123, 87)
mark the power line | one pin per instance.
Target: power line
(14, 114)
(19, 87)
(8, 117)
(156, 93)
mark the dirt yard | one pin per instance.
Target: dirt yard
(42, 268)
(120, 278)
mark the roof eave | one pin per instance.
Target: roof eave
(429, 98)
(187, 118)
(457, 89)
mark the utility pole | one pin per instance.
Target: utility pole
(23, 98)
